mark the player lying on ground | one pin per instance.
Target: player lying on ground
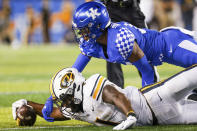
(98, 101)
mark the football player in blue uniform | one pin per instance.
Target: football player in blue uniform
(126, 44)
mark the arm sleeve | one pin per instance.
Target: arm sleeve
(146, 70)
(81, 62)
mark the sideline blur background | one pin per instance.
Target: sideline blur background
(36, 21)
(24, 22)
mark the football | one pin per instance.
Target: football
(26, 116)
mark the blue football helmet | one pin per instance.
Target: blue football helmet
(90, 20)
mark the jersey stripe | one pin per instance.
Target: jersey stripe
(101, 90)
(153, 86)
(188, 45)
(95, 85)
(98, 87)
(150, 87)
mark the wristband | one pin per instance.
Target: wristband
(131, 113)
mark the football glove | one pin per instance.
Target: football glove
(16, 105)
(129, 122)
(48, 109)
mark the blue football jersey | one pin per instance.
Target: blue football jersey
(121, 37)
(151, 42)
(172, 45)
(158, 47)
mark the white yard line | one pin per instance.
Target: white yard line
(50, 127)
(21, 93)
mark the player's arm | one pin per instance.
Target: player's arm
(112, 96)
(139, 59)
(81, 62)
(56, 114)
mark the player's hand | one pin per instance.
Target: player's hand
(129, 122)
(48, 109)
(16, 105)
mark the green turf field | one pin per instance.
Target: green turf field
(26, 72)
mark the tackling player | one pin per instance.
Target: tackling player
(98, 101)
(126, 44)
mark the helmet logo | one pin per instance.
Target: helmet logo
(67, 80)
(92, 13)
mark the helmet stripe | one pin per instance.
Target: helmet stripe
(51, 88)
(17, 121)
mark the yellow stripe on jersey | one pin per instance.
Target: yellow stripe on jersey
(98, 87)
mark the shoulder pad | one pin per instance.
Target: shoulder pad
(95, 85)
(124, 42)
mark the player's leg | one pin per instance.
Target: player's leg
(164, 96)
(115, 74)
(181, 112)
(185, 54)
(180, 85)
(188, 114)
(188, 50)
(181, 47)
